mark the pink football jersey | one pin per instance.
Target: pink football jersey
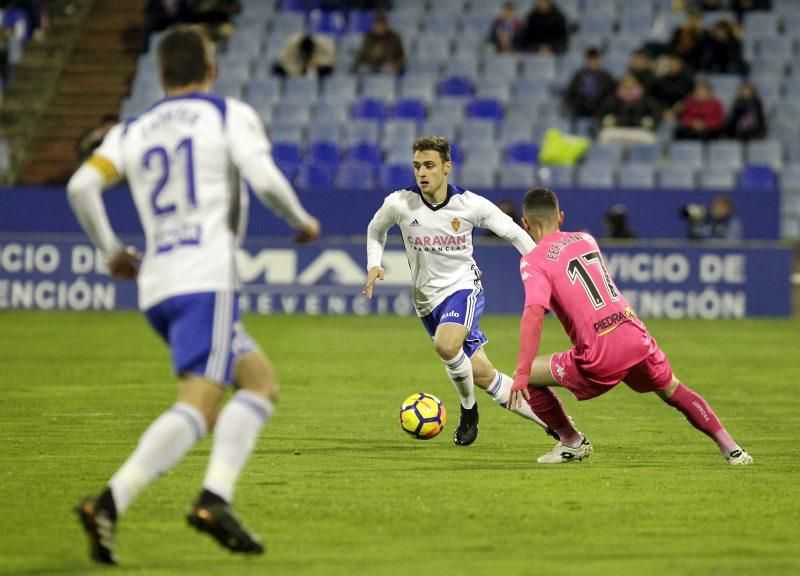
(566, 274)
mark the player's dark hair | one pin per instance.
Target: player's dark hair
(540, 201)
(185, 54)
(436, 143)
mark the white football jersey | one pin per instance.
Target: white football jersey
(438, 240)
(180, 158)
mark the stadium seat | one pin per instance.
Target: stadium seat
(447, 110)
(5, 156)
(329, 112)
(521, 152)
(409, 108)
(487, 108)
(498, 68)
(476, 175)
(291, 112)
(644, 153)
(418, 86)
(678, 176)
(790, 178)
(399, 130)
(766, 152)
(539, 67)
(489, 90)
(339, 89)
(596, 175)
(605, 153)
(379, 87)
(396, 176)
(440, 128)
(556, 176)
(288, 152)
(327, 131)
(325, 154)
(300, 91)
(369, 109)
(474, 129)
(462, 67)
(328, 22)
(717, 178)
(360, 20)
(286, 132)
(686, 153)
(726, 153)
(262, 93)
(638, 176)
(454, 86)
(356, 176)
(517, 176)
(313, 178)
(362, 131)
(512, 131)
(366, 152)
(757, 178)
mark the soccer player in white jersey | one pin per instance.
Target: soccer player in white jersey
(180, 158)
(437, 220)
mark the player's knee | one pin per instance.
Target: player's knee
(446, 350)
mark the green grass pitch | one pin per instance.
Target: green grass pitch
(335, 487)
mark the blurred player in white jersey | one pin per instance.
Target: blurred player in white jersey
(180, 158)
(437, 220)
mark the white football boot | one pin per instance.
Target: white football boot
(561, 453)
(740, 458)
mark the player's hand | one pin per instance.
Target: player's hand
(375, 273)
(124, 265)
(309, 232)
(519, 392)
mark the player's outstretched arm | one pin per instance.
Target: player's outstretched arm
(374, 273)
(494, 219)
(530, 336)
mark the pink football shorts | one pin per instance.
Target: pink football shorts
(652, 374)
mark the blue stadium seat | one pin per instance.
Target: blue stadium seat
(454, 86)
(557, 176)
(487, 108)
(766, 152)
(521, 152)
(365, 152)
(757, 178)
(325, 154)
(360, 20)
(396, 176)
(517, 176)
(313, 178)
(356, 176)
(678, 176)
(596, 175)
(369, 109)
(717, 178)
(409, 108)
(640, 176)
(328, 22)
(726, 153)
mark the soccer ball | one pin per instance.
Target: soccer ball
(423, 416)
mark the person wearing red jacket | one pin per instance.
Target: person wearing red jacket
(702, 115)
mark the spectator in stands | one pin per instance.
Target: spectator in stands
(5, 41)
(506, 29)
(160, 15)
(747, 121)
(687, 40)
(641, 66)
(93, 137)
(545, 29)
(306, 54)
(673, 84)
(721, 51)
(702, 115)
(215, 15)
(630, 114)
(382, 49)
(589, 87)
(616, 223)
(717, 221)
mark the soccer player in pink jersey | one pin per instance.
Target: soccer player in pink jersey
(566, 274)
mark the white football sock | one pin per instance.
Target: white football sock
(237, 430)
(459, 370)
(500, 390)
(161, 446)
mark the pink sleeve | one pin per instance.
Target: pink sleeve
(536, 283)
(530, 335)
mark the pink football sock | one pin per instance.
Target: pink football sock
(547, 406)
(701, 416)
